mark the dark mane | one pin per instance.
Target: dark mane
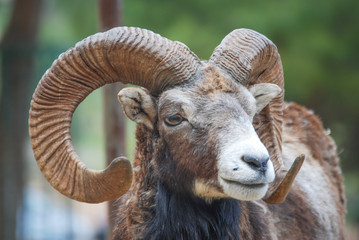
(180, 216)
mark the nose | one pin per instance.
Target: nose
(257, 163)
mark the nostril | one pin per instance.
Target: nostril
(257, 163)
(252, 161)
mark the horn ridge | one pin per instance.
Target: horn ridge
(250, 58)
(127, 55)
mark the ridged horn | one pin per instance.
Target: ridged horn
(251, 58)
(280, 191)
(127, 55)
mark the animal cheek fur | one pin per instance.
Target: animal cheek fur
(168, 170)
(184, 161)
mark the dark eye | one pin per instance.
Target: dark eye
(173, 120)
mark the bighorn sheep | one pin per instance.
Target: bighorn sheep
(214, 141)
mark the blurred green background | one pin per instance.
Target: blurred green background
(318, 42)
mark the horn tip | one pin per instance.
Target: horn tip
(280, 193)
(122, 167)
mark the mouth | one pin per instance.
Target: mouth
(246, 185)
(246, 191)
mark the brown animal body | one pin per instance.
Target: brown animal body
(215, 141)
(314, 208)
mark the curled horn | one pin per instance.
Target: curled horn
(251, 58)
(127, 55)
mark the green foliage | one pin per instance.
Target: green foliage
(352, 191)
(5, 11)
(317, 42)
(66, 21)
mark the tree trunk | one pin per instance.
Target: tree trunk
(114, 119)
(17, 64)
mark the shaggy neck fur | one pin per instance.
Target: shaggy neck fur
(184, 216)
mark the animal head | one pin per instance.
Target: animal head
(208, 145)
(216, 125)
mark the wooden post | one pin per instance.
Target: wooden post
(114, 119)
(17, 51)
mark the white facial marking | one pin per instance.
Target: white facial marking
(238, 178)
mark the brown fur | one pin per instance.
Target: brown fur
(294, 219)
(180, 159)
(215, 81)
(254, 222)
(135, 206)
(309, 131)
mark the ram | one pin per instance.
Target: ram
(216, 143)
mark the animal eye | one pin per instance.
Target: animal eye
(173, 120)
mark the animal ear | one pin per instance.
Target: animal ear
(138, 105)
(264, 93)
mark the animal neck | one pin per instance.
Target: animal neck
(182, 216)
